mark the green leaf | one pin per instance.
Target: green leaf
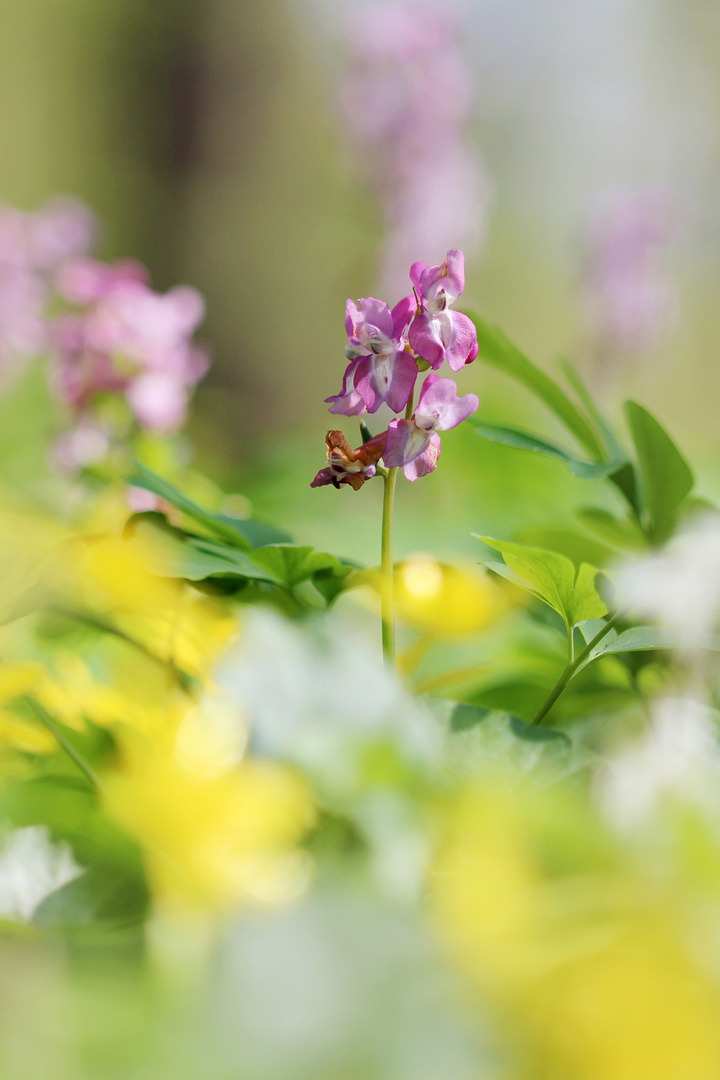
(578, 548)
(665, 476)
(246, 564)
(102, 896)
(365, 432)
(498, 351)
(291, 564)
(553, 578)
(623, 534)
(614, 450)
(642, 639)
(483, 741)
(522, 440)
(331, 581)
(241, 533)
(161, 549)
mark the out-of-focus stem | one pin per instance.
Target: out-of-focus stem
(386, 559)
(386, 571)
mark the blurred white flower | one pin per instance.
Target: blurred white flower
(314, 695)
(678, 757)
(32, 867)
(680, 587)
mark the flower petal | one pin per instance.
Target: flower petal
(402, 315)
(463, 347)
(426, 340)
(439, 406)
(405, 441)
(369, 314)
(447, 335)
(385, 380)
(348, 402)
(425, 462)
(325, 476)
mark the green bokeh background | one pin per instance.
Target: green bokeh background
(207, 137)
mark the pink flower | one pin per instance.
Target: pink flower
(158, 401)
(85, 445)
(406, 97)
(84, 280)
(414, 444)
(630, 298)
(59, 230)
(438, 334)
(380, 370)
(40, 241)
(127, 338)
(31, 246)
(22, 319)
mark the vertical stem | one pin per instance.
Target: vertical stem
(386, 571)
(571, 667)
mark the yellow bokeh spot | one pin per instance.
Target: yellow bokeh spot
(212, 841)
(594, 970)
(448, 601)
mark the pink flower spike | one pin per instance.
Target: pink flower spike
(440, 408)
(416, 450)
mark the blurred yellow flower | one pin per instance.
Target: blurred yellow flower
(192, 634)
(599, 970)
(16, 733)
(136, 691)
(449, 601)
(212, 841)
(443, 600)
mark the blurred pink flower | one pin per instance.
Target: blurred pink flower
(32, 246)
(127, 338)
(630, 299)
(87, 444)
(406, 98)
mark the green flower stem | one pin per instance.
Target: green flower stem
(52, 726)
(570, 669)
(386, 561)
(386, 571)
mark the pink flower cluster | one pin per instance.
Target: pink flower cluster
(113, 335)
(630, 300)
(406, 99)
(386, 350)
(32, 247)
(121, 336)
